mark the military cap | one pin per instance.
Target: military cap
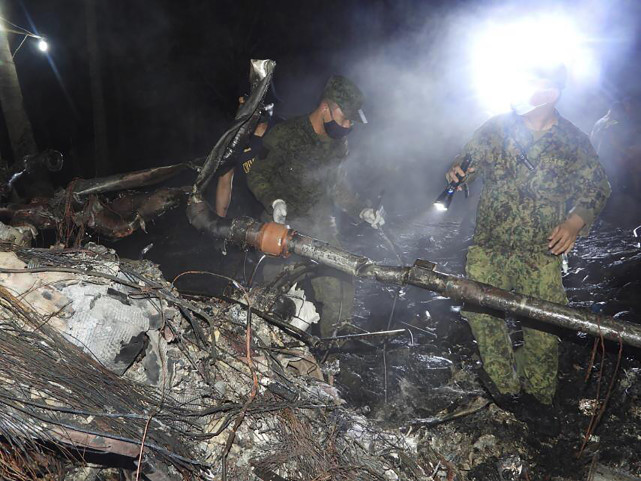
(557, 74)
(347, 95)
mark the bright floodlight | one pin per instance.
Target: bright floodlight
(504, 54)
(43, 45)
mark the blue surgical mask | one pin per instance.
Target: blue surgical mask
(334, 130)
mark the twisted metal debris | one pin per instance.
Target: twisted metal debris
(207, 409)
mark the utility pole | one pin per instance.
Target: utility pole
(101, 147)
(21, 135)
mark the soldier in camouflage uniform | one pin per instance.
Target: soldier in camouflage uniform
(543, 186)
(300, 181)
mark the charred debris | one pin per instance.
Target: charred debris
(109, 373)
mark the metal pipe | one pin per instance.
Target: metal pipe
(519, 305)
(235, 138)
(423, 275)
(326, 254)
(130, 180)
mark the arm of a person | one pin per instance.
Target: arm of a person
(590, 187)
(477, 149)
(345, 197)
(223, 192)
(591, 190)
(263, 179)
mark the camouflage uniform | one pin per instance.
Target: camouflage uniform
(303, 169)
(517, 212)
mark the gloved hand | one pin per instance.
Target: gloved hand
(280, 211)
(373, 217)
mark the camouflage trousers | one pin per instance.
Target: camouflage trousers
(333, 291)
(535, 364)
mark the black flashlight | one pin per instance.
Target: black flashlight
(444, 200)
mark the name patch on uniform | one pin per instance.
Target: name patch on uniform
(247, 166)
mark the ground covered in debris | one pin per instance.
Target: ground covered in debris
(103, 362)
(109, 372)
(426, 383)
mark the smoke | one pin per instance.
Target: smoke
(172, 72)
(414, 63)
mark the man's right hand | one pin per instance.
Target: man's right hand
(456, 174)
(280, 211)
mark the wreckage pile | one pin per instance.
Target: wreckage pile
(103, 362)
(107, 371)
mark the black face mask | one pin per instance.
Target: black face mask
(334, 130)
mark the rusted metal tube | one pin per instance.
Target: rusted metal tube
(131, 180)
(423, 275)
(275, 240)
(519, 305)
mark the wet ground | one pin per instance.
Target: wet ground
(416, 378)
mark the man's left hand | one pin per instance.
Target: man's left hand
(564, 235)
(373, 217)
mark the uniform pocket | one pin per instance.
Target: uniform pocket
(477, 262)
(487, 266)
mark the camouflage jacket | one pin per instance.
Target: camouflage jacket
(519, 208)
(303, 169)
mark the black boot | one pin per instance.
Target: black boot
(507, 402)
(540, 418)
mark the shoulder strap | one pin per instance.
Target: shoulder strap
(521, 152)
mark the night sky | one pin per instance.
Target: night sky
(172, 71)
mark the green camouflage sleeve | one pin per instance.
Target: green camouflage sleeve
(263, 179)
(591, 188)
(478, 148)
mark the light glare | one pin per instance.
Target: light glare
(504, 55)
(43, 45)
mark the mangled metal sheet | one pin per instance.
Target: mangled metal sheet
(101, 319)
(106, 324)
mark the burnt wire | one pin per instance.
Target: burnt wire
(254, 375)
(600, 404)
(77, 385)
